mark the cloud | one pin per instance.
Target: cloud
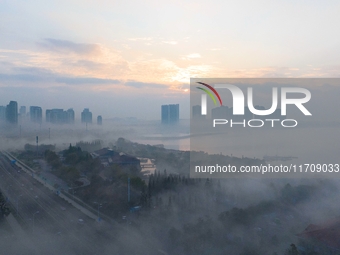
(170, 42)
(36, 75)
(192, 56)
(33, 70)
(65, 46)
(111, 68)
(88, 64)
(85, 80)
(20, 77)
(26, 74)
(140, 39)
(138, 84)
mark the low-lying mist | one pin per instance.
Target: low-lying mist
(178, 215)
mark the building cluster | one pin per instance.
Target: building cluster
(109, 157)
(86, 116)
(170, 114)
(320, 239)
(10, 114)
(59, 116)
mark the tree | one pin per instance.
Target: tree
(292, 250)
(4, 210)
(143, 197)
(52, 159)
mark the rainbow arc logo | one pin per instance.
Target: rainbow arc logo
(211, 95)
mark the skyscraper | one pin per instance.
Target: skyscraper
(55, 116)
(173, 113)
(35, 114)
(86, 116)
(165, 114)
(99, 120)
(170, 114)
(70, 116)
(59, 116)
(12, 112)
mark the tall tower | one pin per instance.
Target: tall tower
(170, 114)
(36, 114)
(70, 116)
(12, 112)
(165, 114)
(99, 120)
(173, 113)
(86, 116)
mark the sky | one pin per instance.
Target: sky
(127, 58)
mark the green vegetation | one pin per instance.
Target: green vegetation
(292, 250)
(107, 185)
(53, 159)
(179, 161)
(41, 148)
(90, 146)
(263, 228)
(191, 216)
(4, 209)
(75, 162)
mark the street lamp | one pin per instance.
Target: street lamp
(33, 219)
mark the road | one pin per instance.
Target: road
(56, 229)
(52, 222)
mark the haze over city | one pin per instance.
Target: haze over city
(97, 140)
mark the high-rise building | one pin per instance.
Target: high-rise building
(86, 116)
(165, 114)
(55, 116)
(99, 120)
(70, 116)
(170, 114)
(59, 116)
(174, 113)
(35, 114)
(12, 112)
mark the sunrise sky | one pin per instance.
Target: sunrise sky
(126, 58)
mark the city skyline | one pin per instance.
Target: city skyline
(169, 127)
(11, 113)
(59, 116)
